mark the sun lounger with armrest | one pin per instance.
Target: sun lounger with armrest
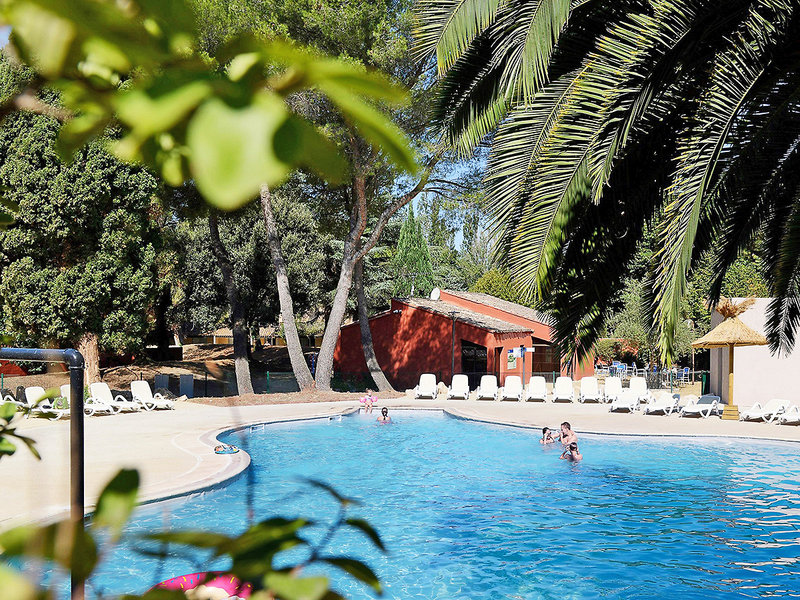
(512, 390)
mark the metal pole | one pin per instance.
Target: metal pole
(76, 460)
(74, 360)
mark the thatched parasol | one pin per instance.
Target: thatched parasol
(731, 333)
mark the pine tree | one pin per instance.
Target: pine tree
(412, 261)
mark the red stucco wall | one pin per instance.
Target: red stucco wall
(410, 341)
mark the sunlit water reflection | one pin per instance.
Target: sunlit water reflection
(473, 511)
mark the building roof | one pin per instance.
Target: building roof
(731, 332)
(510, 307)
(465, 315)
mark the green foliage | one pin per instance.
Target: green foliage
(412, 261)
(9, 412)
(81, 258)
(606, 116)
(631, 325)
(252, 554)
(498, 282)
(214, 119)
(202, 302)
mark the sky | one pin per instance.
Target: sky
(4, 31)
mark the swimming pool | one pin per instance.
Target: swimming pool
(470, 510)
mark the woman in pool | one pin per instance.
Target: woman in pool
(571, 453)
(547, 436)
(384, 417)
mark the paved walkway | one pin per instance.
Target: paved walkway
(173, 450)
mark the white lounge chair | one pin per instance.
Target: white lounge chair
(769, 412)
(613, 389)
(42, 403)
(426, 388)
(11, 399)
(638, 386)
(563, 390)
(91, 406)
(665, 404)
(590, 391)
(512, 390)
(537, 389)
(703, 406)
(101, 392)
(791, 416)
(143, 394)
(627, 400)
(487, 388)
(459, 387)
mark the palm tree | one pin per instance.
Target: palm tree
(605, 115)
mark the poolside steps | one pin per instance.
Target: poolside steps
(730, 412)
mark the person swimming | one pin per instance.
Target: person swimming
(547, 436)
(384, 417)
(572, 453)
(567, 436)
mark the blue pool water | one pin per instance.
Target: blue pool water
(474, 511)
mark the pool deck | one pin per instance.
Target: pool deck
(173, 450)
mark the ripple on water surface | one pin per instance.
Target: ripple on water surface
(473, 511)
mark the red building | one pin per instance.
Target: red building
(460, 332)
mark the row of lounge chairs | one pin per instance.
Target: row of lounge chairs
(39, 402)
(535, 391)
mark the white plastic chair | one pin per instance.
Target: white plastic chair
(791, 416)
(638, 386)
(512, 390)
(563, 390)
(590, 391)
(39, 404)
(144, 395)
(101, 392)
(665, 404)
(426, 388)
(703, 406)
(459, 387)
(769, 412)
(627, 400)
(91, 406)
(613, 389)
(487, 388)
(537, 389)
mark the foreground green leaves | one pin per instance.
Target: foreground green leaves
(252, 554)
(221, 121)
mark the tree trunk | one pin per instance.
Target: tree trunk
(161, 329)
(90, 349)
(301, 371)
(244, 383)
(374, 367)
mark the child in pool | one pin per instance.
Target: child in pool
(547, 436)
(368, 401)
(571, 453)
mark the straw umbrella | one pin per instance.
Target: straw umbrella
(730, 334)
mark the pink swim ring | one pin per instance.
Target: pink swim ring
(225, 581)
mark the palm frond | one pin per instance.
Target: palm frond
(737, 72)
(447, 27)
